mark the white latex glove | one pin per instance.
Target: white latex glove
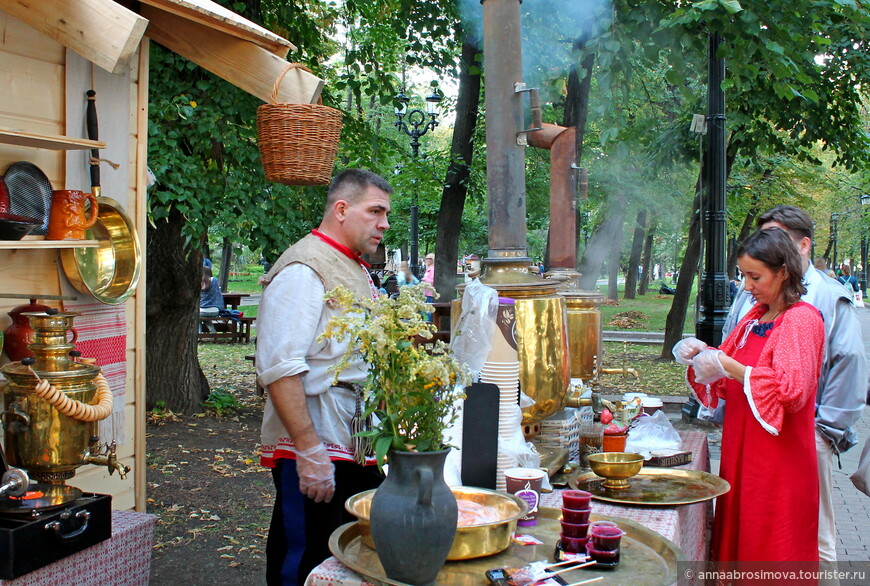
(686, 349)
(316, 474)
(708, 368)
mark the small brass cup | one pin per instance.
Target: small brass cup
(615, 467)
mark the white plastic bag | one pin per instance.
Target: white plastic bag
(473, 338)
(653, 433)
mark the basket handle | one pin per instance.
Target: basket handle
(280, 78)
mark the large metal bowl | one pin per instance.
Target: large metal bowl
(472, 541)
(109, 272)
(615, 467)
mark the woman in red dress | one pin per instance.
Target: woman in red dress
(767, 370)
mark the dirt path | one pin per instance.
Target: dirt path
(205, 483)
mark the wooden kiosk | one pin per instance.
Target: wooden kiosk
(51, 53)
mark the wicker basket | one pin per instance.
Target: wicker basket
(297, 142)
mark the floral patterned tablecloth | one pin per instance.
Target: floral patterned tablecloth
(124, 559)
(687, 526)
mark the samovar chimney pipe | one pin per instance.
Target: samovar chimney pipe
(505, 159)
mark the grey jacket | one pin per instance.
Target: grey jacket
(842, 386)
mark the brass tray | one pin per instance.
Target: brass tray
(646, 558)
(657, 487)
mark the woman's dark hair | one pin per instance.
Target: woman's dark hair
(775, 248)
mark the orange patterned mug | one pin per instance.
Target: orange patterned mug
(69, 219)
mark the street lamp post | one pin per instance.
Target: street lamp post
(865, 200)
(834, 218)
(414, 124)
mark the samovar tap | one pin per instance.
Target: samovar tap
(105, 455)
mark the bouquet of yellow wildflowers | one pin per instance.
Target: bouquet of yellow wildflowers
(412, 387)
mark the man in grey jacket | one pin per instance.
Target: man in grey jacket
(840, 396)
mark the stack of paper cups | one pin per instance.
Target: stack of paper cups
(502, 368)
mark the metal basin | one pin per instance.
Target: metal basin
(109, 272)
(471, 541)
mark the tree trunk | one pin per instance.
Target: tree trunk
(576, 113)
(689, 267)
(456, 181)
(613, 260)
(226, 261)
(631, 276)
(647, 258)
(745, 229)
(172, 371)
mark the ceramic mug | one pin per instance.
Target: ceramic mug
(69, 219)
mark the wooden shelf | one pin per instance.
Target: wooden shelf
(40, 243)
(47, 141)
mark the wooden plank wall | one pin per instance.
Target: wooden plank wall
(33, 72)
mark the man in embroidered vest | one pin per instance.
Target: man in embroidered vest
(306, 433)
(840, 395)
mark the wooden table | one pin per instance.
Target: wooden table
(233, 300)
(687, 526)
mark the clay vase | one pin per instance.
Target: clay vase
(69, 219)
(413, 517)
(20, 334)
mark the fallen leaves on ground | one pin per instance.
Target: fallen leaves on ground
(628, 320)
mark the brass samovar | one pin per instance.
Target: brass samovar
(53, 402)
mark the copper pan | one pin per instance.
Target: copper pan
(109, 272)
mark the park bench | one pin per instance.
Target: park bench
(233, 329)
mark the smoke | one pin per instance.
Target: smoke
(471, 13)
(552, 28)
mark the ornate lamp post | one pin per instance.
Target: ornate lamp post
(414, 124)
(834, 219)
(865, 200)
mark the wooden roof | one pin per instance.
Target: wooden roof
(107, 33)
(215, 16)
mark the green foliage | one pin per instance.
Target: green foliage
(412, 388)
(221, 402)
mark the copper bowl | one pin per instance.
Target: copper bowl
(472, 541)
(615, 467)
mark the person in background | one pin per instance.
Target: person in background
(842, 384)
(733, 286)
(306, 433)
(405, 276)
(376, 281)
(211, 299)
(767, 370)
(847, 278)
(429, 278)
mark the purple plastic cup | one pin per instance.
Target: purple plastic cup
(574, 530)
(577, 517)
(606, 538)
(574, 544)
(603, 556)
(576, 500)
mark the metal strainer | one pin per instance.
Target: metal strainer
(29, 193)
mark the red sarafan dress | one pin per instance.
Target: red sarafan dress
(768, 438)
